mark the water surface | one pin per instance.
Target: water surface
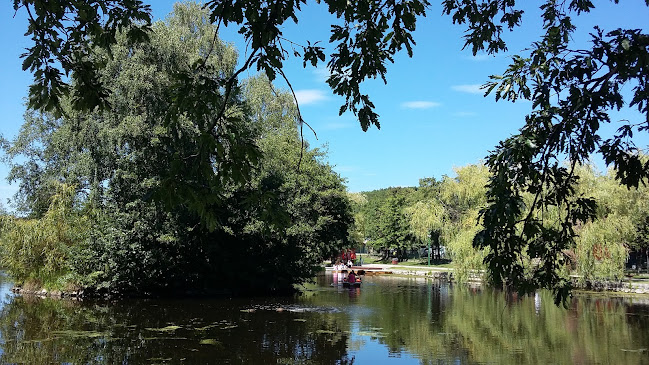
(390, 320)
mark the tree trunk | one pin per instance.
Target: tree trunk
(385, 253)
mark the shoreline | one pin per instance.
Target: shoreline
(634, 287)
(439, 273)
(44, 293)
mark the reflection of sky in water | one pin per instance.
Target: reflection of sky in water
(367, 344)
(366, 349)
(5, 297)
(5, 289)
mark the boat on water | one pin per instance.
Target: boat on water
(347, 284)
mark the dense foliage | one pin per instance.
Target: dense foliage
(603, 245)
(445, 214)
(440, 214)
(572, 87)
(385, 224)
(39, 251)
(180, 202)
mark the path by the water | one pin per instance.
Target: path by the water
(631, 286)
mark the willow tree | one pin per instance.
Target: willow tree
(427, 219)
(359, 235)
(425, 216)
(603, 245)
(450, 215)
(39, 252)
(464, 196)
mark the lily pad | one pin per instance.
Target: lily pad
(164, 338)
(327, 332)
(164, 329)
(206, 327)
(209, 341)
(370, 334)
(72, 333)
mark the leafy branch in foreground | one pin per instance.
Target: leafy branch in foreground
(573, 92)
(64, 34)
(368, 36)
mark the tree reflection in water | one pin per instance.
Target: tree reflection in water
(43, 331)
(409, 320)
(441, 323)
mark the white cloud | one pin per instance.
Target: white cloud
(309, 96)
(469, 88)
(332, 123)
(420, 104)
(321, 74)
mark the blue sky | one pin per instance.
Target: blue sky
(433, 115)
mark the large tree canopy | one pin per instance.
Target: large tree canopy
(166, 212)
(573, 89)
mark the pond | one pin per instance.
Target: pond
(390, 320)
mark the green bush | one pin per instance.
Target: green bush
(38, 251)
